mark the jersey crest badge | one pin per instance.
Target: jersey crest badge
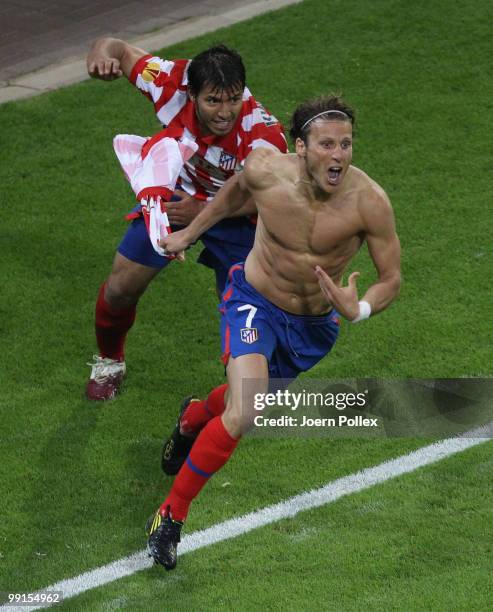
(227, 161)
(151, 72)
(249, 335)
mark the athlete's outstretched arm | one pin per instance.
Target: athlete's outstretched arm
(229, 200)
(235, 197)
(110, 58)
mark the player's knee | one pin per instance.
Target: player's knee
(238, 420)
(121, 292)
(232, 423)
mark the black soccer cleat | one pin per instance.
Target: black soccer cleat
(177, 446)
(164, 536)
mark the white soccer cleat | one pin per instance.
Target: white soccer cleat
(106, 378)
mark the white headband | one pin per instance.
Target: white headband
(338, 112)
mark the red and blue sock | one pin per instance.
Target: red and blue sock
(212, 449)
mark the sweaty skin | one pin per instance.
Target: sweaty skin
(315, 211)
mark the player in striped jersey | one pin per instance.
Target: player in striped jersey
(204, 102)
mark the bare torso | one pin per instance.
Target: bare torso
(296, 232)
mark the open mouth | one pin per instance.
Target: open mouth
(222, 125)
(334, 174)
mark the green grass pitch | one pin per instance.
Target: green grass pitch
(78, 480)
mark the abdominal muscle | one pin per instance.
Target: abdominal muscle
(286, 277)
(293, 235)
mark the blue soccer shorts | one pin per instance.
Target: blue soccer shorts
(226, 243)
(251, 324)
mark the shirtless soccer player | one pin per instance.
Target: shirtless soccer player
(280, 308)
(203, 102)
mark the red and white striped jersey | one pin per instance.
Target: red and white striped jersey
(164, 82)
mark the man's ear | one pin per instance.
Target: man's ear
(190, 95)
(300, 147)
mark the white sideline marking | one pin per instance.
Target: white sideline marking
(291, 507)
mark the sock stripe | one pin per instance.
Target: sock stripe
(197, 470)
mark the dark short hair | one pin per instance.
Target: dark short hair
(300, 121)
(218, 67)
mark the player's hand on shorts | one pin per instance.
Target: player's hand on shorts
(175, 244)
(105, 68)
(343, 299)
(183, 212)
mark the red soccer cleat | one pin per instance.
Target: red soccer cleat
(106, 378)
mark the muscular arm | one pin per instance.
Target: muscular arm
(232, 200)
(384, 248)
(184, 211)
(110, 58)
(385, 251)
